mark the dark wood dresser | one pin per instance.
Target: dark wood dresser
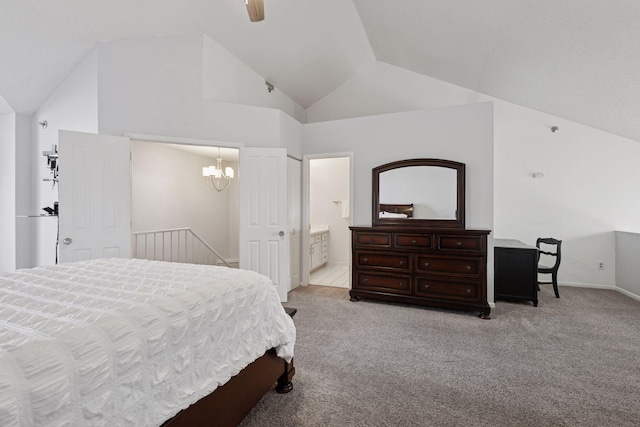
(444, 268)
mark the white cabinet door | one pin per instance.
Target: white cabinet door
(264, 236)
(315, 255)
(94, 196)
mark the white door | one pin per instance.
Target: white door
(94, 196)
(295, 215)
(264, 237)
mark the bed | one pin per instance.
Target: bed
(137, 342)
(389, 210)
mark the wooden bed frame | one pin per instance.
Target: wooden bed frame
(399, 209)
(231, 402)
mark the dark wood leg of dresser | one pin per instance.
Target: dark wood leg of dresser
(485, 315)
(354, 298)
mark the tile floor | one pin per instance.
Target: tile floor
(331, 275)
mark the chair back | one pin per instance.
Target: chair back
(554, 249)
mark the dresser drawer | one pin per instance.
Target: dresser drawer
(383, 260)
(396, 284)
(454, 290)
(374, 240)
(413, 241)
(437, 265)
(460, 243)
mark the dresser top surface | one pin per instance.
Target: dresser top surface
(419, 230)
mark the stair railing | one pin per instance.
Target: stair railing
(175, 245)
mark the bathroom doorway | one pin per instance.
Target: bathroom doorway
(329, 217)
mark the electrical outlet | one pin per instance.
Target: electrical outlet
(601, 266)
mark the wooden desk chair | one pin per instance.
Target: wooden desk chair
(553, 251)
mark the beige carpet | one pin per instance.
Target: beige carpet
(573, 361)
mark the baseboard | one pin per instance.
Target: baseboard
(611, 287)
(338, 264)
(629, 294)
(584, 285)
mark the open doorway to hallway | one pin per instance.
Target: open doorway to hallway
(174, 211)
(329, 213)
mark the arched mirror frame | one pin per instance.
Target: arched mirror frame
(458, 222)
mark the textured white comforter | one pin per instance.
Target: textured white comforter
(128, 342)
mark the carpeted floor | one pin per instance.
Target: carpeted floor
(573, 361)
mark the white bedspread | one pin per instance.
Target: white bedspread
(122, 342)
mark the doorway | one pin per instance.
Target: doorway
(169, 192)
(329, 217)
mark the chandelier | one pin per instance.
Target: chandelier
(215, 177)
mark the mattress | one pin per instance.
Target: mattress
(129, 342)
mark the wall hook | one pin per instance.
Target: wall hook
(44, 124)
(554, 129)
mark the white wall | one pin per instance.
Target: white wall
(168, 191)
(154, 86)
(460, 133)
(25, 197)
(589, 175)
(586, 193)
(8, 192)
(627, 266)
(291, 135)
(329, 182)
(227, 79)
(72, 106)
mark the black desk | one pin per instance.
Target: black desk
(516, 270)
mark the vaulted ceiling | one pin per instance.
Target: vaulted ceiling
(576, 59)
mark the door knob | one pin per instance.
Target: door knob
(281, 233)
(67, 241)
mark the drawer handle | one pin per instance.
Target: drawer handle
(426, 287)
(401, 262)
(426, 264)
(468, 291)
(373, 240)
(414, 242)
(365, 260)
(401, 284)
(468, 267)
(365, 280)
(459, 243)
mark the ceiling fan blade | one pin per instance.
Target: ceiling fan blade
(256, 10)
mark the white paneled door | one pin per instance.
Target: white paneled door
(94, 196)
(264, 233)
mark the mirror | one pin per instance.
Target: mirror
(420, 192)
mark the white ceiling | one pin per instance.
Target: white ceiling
(577, 59)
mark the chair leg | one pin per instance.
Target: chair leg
(554, 279)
